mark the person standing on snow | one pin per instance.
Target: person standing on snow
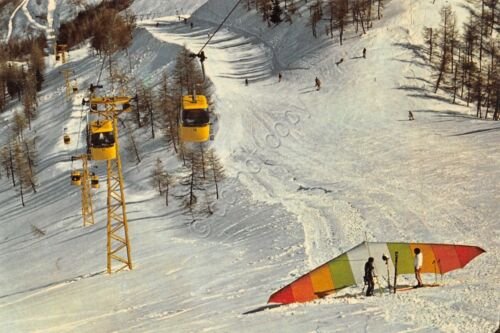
(364, 52)
(279, 77)
(369, 275)
(317, 83)
(417, 263)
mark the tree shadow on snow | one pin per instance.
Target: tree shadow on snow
(418, 53)
(453, 115)
(478, 131)
(429, 96)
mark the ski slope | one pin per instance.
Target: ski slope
(311, 174)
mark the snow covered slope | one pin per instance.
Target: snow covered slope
(312, 173)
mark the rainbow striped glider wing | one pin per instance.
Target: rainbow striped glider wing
(348, 268)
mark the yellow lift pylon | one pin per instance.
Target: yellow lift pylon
(60, 52)
(101, 148)
(67, 74)
(85, 179)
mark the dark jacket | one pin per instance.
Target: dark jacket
(369, 271)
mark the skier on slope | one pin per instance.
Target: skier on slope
(410, 116)
(317, 83)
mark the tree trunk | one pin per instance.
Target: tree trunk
(341, 31)
(488, 93)
(30, 165)
(462, 80)
(496, 114)
(431, 43)
(137, 111)
(21, 193)
(166, 196)
(216, 183)
(11, 160)
(455, 84)
(202, 160)
(191, 185)
(172, 129)
(481, 25)
(151, 117)
(479, 97)
(440, 75)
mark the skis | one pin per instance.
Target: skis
(407, 288)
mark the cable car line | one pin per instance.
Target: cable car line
(201, 54)
(194, 120)
(216, 30)
(100, 72)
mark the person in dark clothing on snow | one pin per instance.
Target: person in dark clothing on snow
(410, 116)
(317, 83)
(364, 52)
(369, 275)
(246, 82)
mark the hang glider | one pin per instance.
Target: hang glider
(348, 268)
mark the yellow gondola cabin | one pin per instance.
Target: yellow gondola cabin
(102, 140)
(76, 178)
(94, 181)
(194, 119)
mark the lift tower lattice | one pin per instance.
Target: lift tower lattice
(118, 242)
(87, 209)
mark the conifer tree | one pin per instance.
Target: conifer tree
(447, 31)
(169, 112)
(7, 162)
(216, 169)
(161, 179)
(19, 125)
(276, 12)
(22, 171)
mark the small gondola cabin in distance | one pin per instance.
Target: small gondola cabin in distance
(194, 119)
(102, 140)
(94, 181)
(76, 177)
